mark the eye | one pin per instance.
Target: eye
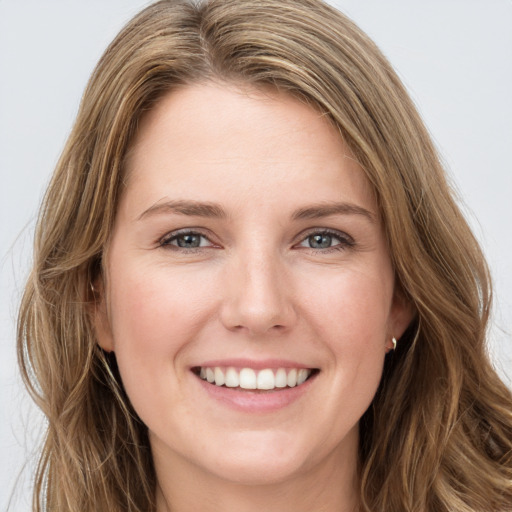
(186, 240)
(327, 239)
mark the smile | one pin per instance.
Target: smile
(248, 378)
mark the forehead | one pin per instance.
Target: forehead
(248, 140)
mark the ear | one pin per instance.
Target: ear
(101, 321)
(402, 314)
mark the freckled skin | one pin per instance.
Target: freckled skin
(255, 288)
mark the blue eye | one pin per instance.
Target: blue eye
(320, 241)
(186, 240)
(327, 240)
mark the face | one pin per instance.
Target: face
(248, 294)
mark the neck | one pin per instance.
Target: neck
(330, 486)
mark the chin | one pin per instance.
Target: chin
(262, 460)
(258, 472)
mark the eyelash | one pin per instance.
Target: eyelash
(345, 241)
(166, 241)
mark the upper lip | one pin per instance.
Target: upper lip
(256, 364)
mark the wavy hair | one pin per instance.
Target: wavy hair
(438, 435)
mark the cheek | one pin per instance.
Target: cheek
(154, 314)
(352, 307)
(351, 319)
(155, 306)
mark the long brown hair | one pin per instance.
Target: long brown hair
(438, 436)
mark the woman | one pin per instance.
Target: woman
(252, 288)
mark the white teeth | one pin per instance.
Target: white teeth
(219, 377)
(302, 375)
(266, 380)
(232, 379)
(291, 379)
(247, 378)
(281, 378)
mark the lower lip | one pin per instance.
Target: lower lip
(252, 401)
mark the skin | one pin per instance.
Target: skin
(254, 289)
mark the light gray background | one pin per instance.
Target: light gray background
(453, 55)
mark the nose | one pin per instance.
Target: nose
(257, 295)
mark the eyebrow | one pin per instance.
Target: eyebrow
(321, 210)
(214, 210)
(182, 207)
